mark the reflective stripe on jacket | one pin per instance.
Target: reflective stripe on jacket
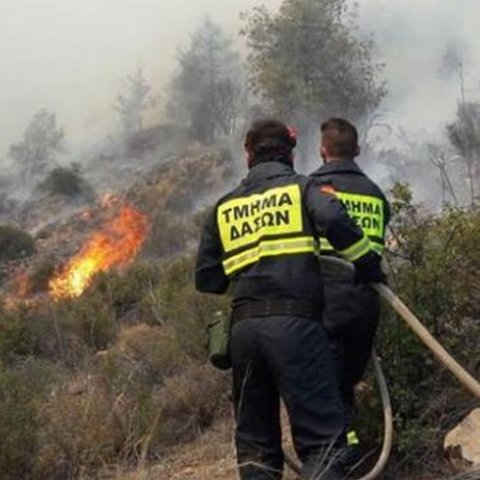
(263, 238)
(362, 198)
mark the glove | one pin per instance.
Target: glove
(369, 270)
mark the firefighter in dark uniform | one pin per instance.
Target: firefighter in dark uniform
(260, 239)
(352, 311)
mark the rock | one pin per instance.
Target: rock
(462, 444)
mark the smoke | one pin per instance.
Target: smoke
(411, 39)
(409, 144)
(71, 57)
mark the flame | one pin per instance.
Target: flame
(116, 245)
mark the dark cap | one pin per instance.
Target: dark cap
(270, 136)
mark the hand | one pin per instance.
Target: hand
(369, 270)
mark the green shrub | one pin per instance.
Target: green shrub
(40, 276)
(88, 319)
(78, 431)
(125, 291)
(16, 339)
(17, 427)
(22, 392)
(145, 354)
(434, 268)
(176, 302)
(15, 243)
(67, 182)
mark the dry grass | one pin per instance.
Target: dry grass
(211, 457)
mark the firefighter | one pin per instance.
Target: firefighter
(352, 311)
(260, 239)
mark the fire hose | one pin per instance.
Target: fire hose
(429, 341)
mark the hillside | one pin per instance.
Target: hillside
(109, 365)
(107, 379)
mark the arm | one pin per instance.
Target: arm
(209, 274)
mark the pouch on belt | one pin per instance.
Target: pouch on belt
(219, 341)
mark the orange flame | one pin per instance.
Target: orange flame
(116, 245)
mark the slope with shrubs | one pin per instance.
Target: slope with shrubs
(433, 265)
(115, 384)
(117, 377)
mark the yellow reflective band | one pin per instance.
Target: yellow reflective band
(357, 250)
(352, 438)
(245, 221)
(325, 245)
(377, 248)
(367, 211)
(269, 248)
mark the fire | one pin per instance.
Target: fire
(117, 244)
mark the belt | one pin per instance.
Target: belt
(270, 308)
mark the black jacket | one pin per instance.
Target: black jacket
(261, 238)
(363, 199)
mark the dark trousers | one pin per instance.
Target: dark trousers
(288, 358)
(351, 318)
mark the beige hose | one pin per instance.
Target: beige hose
(387, 422)
(414, 323)
(442, 355)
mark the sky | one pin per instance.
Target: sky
(70, 55)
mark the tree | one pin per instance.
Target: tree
(207, 90)
(454, 64)
(308, 64)
(42, 140)
(134, 101)
(67, 182)
(464, 135)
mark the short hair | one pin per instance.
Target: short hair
(340, 138)
(270, 135)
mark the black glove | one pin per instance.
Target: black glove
(369, 270)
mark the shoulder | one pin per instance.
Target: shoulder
(375, 188)
(302, 180)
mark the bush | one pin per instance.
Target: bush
(189, 402)
(17, 427)
(67, 182)
(176, 303)
(78, 431)
(124, 292)
(85, 425)
(38, 279)
(434, 268)
(124, 390)
(22, 391)
(15, 243)
(16, 339)
(88, 319)
(147, 354)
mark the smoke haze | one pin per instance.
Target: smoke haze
(411, 39)
(70, 56)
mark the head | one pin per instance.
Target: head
(270, 141)
(339, 140)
